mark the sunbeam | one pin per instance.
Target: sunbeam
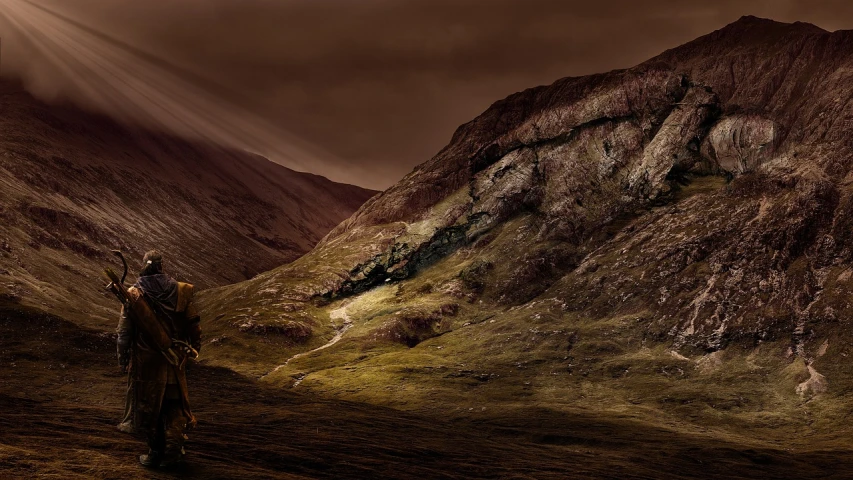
(114, 77)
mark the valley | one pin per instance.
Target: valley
(644, 273)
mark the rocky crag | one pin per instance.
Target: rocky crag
(759, 104)
(674, 237)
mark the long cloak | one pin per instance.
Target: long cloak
(170, 303)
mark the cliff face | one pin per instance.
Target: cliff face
(75, 185)
(610, 237)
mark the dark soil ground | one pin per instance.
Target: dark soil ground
(61, 396)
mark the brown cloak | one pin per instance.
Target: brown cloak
(149, 370)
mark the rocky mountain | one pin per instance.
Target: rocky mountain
(670, 242)
(74, 185)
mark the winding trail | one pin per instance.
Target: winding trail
(337, 314)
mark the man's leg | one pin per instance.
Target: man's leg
(126, 424)
(174, 425)
(156, 445)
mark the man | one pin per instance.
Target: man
(158, 403)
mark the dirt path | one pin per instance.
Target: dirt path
(61, 396)
(337, 314)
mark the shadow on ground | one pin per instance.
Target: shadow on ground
(61, 396)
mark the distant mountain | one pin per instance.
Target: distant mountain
(74, 185)
(673, 239)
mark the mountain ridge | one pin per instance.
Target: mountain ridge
(77, 184)
(433, 180)
(668, 241)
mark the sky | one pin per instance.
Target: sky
(360, 91)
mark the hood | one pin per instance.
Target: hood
(160, 288)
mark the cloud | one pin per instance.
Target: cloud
(359, 91)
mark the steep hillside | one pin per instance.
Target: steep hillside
(74, 185)
(670, 242)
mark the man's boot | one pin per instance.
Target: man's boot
(171, 459)
(125, 427)
(151, 459)
(174, 452)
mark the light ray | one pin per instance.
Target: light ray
(135, 86)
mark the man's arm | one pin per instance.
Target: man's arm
(124, 338)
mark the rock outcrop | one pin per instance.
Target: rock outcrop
(702, 197)
(742, 143)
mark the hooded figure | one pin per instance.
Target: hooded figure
(157, 400)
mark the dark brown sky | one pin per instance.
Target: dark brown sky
(371, 88)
